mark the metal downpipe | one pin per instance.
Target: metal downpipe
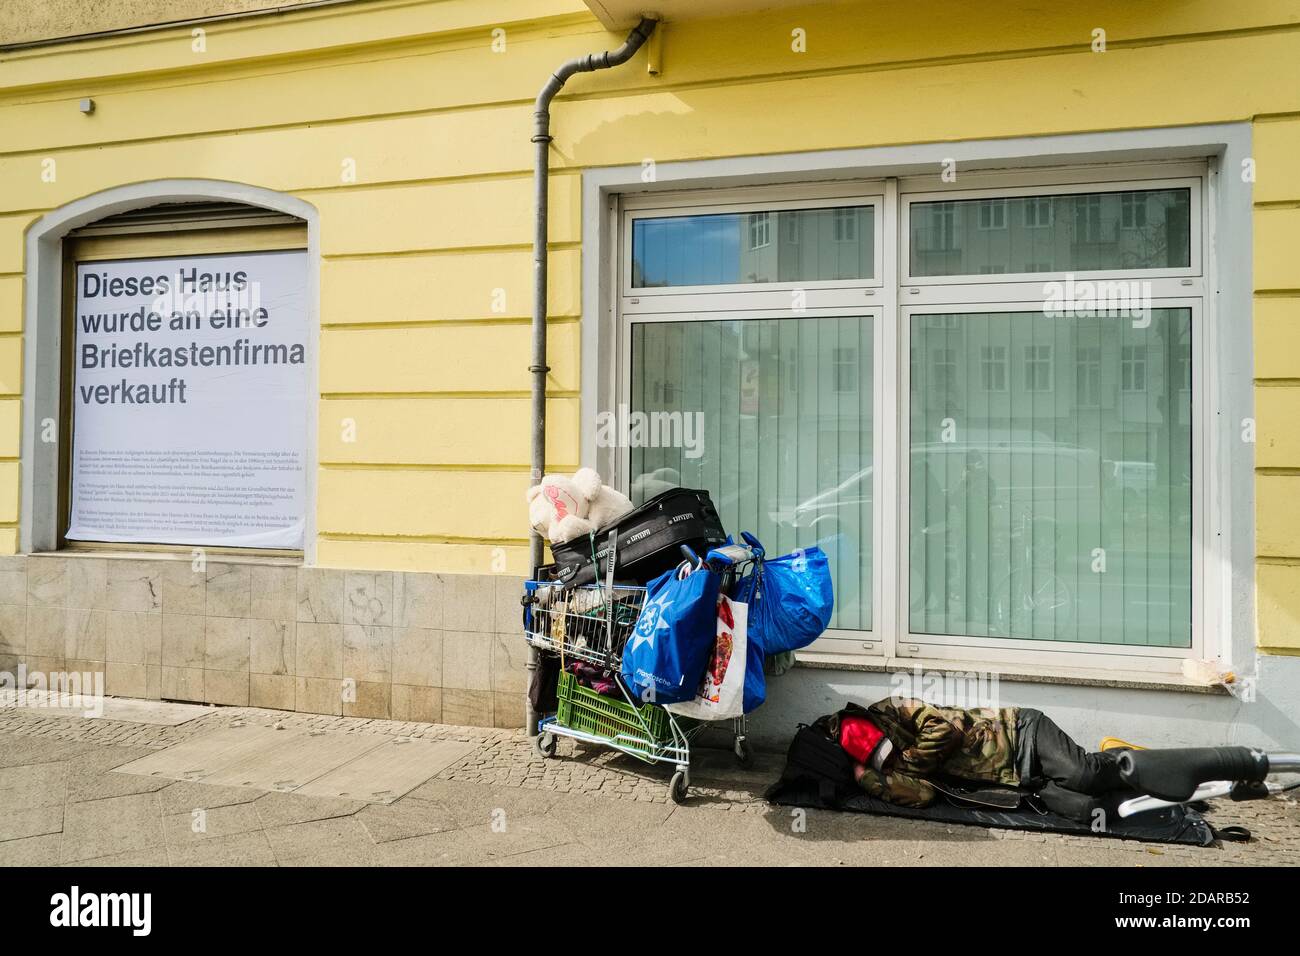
(538, 368)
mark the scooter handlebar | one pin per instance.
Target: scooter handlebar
(1175, 774)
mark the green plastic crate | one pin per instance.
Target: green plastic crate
(581, 708)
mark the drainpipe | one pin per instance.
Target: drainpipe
(541, 176)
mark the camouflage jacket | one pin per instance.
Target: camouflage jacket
(977, 745)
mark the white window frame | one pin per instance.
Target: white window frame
(891, 297)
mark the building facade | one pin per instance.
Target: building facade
(997, 304)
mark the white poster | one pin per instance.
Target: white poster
(190, 400)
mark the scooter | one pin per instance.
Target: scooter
(1183, 775)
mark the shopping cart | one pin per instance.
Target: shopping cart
(592, 623)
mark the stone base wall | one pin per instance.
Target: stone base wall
(443, 648)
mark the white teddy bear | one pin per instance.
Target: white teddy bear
(562, 508)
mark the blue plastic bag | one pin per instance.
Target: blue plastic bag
(755, 679)
(669, 648)
(793, 601)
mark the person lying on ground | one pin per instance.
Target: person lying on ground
(912, 744)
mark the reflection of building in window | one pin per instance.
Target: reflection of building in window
(1087, 376)
(939, 232)
(992, 270)
(1133, 368)
(1133, 210)
(1038, 212)
(1040, 266)
(944, 365)
(846, 224)
(1087, 219)
(790, 222)
(845, 368)
(993, 368)
(759, 230)
(666, 394)
(1038, 368)
(992, 214)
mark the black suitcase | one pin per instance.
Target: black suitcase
(649, 540)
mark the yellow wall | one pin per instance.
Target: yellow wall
(439, 217)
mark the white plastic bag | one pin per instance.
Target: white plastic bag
(722, 691)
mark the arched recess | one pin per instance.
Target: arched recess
(42, 333)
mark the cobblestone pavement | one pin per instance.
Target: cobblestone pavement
(62, 802)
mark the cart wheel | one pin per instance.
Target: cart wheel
(544, 745)
(678, 786)
(744, 752)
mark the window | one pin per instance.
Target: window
(190, 424)
(1030, 381)
(937, 231)
(944, 363)
(1037, 212)
(846, 225)
(1133, 368)
(1133, 211)
(993, 214)
(993, 368)
(1038, 368)
(846, 370)
(785, 452)
(825, 244)
(1077, 232)
(1087, 376)
(1088, 221)
(1009, 520)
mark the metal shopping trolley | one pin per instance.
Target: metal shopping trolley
(592, 623)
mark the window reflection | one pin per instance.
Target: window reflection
(1138, 229)
(795, 245)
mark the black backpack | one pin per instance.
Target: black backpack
(815, 766)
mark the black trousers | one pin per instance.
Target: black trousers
(1063, 774)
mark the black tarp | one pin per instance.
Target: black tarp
(1178, 824)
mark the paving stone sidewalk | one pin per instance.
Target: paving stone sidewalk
(63, 801)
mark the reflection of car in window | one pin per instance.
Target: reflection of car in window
(1045, 475)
